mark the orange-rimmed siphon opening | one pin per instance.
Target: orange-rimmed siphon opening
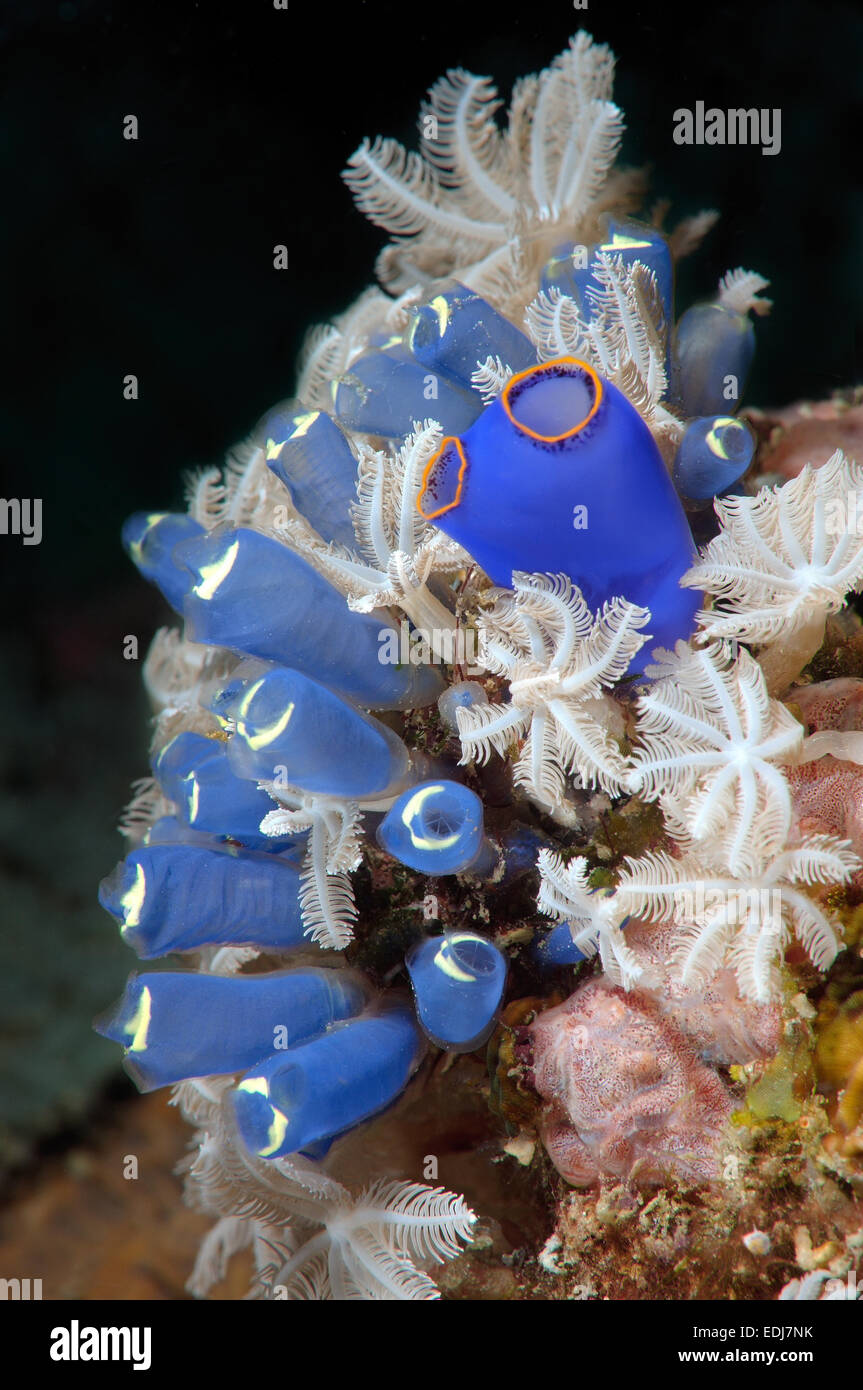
(429, 469)
(553, 367)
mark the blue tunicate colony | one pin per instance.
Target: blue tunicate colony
(316, 1051)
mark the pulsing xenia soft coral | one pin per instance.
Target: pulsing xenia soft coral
(529, 498)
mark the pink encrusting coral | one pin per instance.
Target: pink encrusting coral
(836, 704)
(827, 794)
(629, 1095)
(722, 1027)
(827, 797)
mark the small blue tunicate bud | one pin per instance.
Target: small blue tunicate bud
(435, 828)
(176, 1025)
(557, 948)
(714, 347)
(385, 394)
(714, 452)
(252, 594)
(521, 845)
(460, 695)
(174, 897)
(309, 453)
(458, 982)
(298, 1098)
(456, 330)
(150, 539)
(285, 719)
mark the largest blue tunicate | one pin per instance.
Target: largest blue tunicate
(561, 474)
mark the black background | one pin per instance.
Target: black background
(155, 256)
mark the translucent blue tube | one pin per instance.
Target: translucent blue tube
(181, 897)
(255, 596)
(298, 1098)
(457, 329)
(176, 1025)
(193, 772)
(150, 538)
(435, 828)
(309, 453)
(290, 726)
(170, 830)
(714, 348)
(635, 241)
(384, 393)
(561, 474)
(521, 845)
(458, 982)
(571, 266)
(714, 452)
(557, 948)
(568, 270)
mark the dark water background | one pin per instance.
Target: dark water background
(155, 257)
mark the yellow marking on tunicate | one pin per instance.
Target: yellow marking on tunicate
(193, 798)
(136, 548)
(213, 575)
(442, 310)
(412, 810)
(303, 423)
(621, 242)
(445, 963)
(255, 1085)
(140, 1022)
(133, 900)
(713, 439)
(273, 449)
(271, 731)
(276, 1135)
